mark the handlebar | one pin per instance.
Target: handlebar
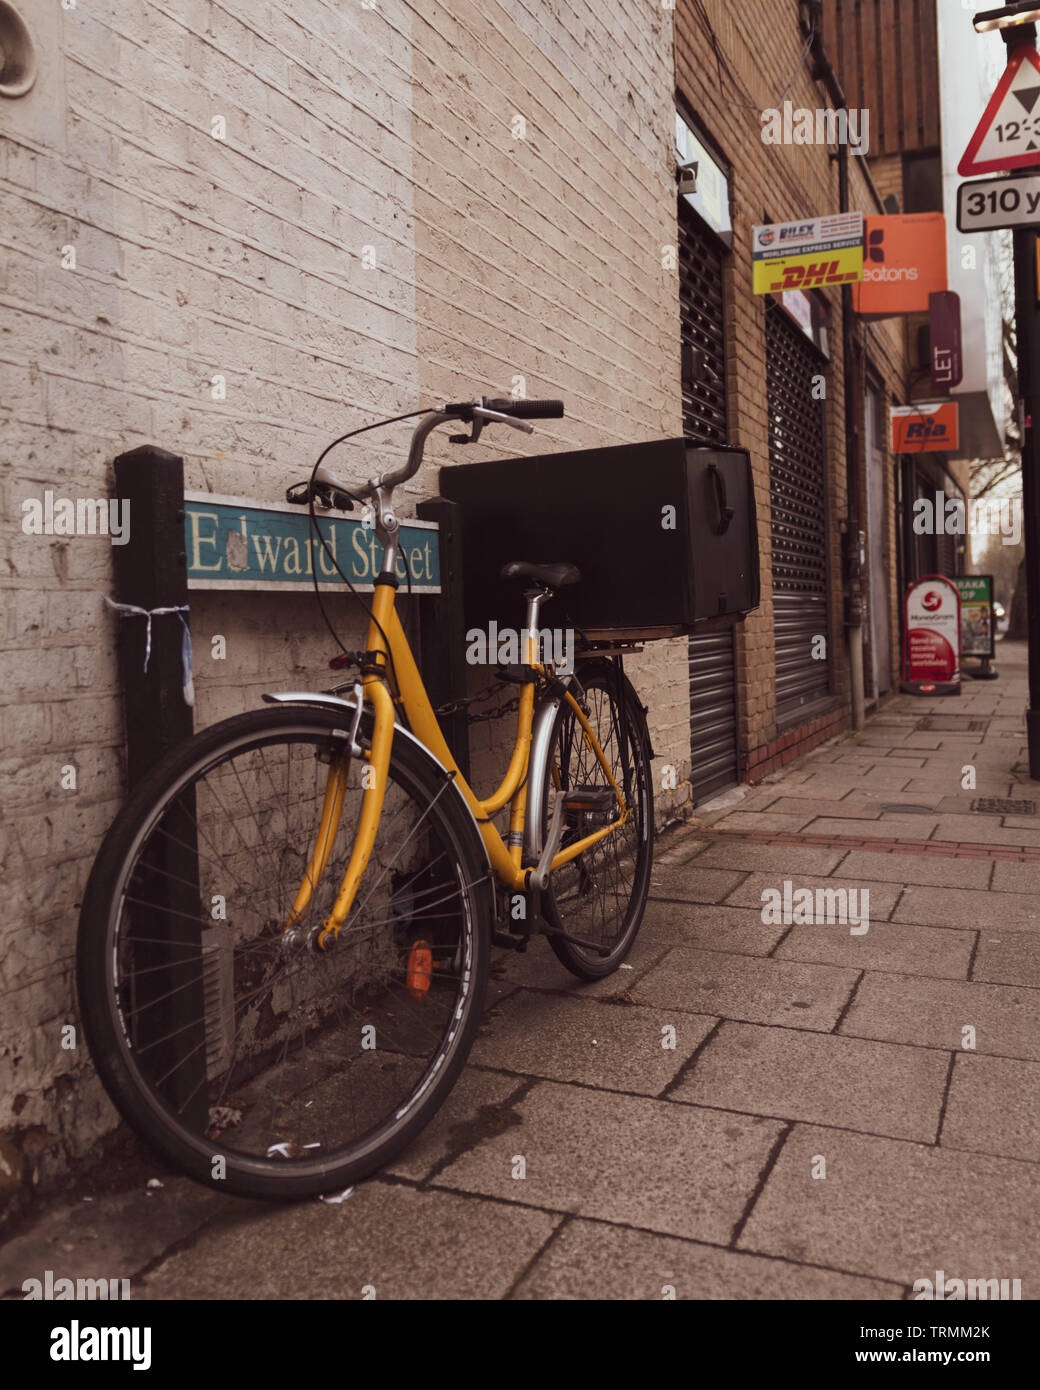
(324, 488)
(327, 488)
(527, 410)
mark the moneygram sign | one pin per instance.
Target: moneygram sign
(932, 637)
(804, 255)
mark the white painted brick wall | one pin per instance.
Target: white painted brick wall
(345, 128)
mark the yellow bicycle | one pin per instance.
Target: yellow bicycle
(284, 942)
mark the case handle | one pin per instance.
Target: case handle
(721, 526)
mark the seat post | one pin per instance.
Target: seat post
(533, 600)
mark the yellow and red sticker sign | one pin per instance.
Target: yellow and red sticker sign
(805, 255)
(925, 429)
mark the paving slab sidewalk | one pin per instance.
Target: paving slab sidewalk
(765, 1102)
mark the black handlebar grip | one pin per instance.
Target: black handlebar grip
(529, 410)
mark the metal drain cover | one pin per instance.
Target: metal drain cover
(1003, 806)
(892, 808)
(951, 724)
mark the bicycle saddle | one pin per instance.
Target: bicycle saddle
(551, 576)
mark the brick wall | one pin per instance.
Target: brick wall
(539, 254)
(370, 230)
(762, 51)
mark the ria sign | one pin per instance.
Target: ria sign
(925, 428)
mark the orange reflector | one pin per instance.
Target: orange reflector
(420, 969)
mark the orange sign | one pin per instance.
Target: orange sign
(924, 429)
(904, 261)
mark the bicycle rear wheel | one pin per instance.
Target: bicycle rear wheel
(601, 895)
(244, 1053)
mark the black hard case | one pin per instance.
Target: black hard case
(605, 510)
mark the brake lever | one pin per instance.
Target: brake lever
(482, 416)
(332, 490)
(501, 418)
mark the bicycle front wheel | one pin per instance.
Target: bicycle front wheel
(227, 1038)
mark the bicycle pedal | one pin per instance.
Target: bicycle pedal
(590, 798)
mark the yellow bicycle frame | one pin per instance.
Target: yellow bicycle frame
(506, 862)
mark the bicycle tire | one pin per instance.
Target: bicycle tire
(561, 903)
(109, 900)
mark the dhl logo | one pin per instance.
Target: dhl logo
(807, 270)
(803, 277)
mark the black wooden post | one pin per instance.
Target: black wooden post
(166, 1008)
(151, 571)
(443, 628)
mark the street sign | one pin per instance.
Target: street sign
(801, 255)
(239, 543)
(1008, 136)
(932, 637)
(986, 205)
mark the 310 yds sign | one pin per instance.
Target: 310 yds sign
(984, 205)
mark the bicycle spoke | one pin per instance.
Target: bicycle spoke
(239, 1024)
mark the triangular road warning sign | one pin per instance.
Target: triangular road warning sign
(1008, 136)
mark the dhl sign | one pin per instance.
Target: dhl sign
(924, 428)
(805, 255)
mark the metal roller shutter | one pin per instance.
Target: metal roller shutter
(713, 713)
(704, 348)
(713, 670)
(797, 487)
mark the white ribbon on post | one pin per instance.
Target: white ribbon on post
(131, 610)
